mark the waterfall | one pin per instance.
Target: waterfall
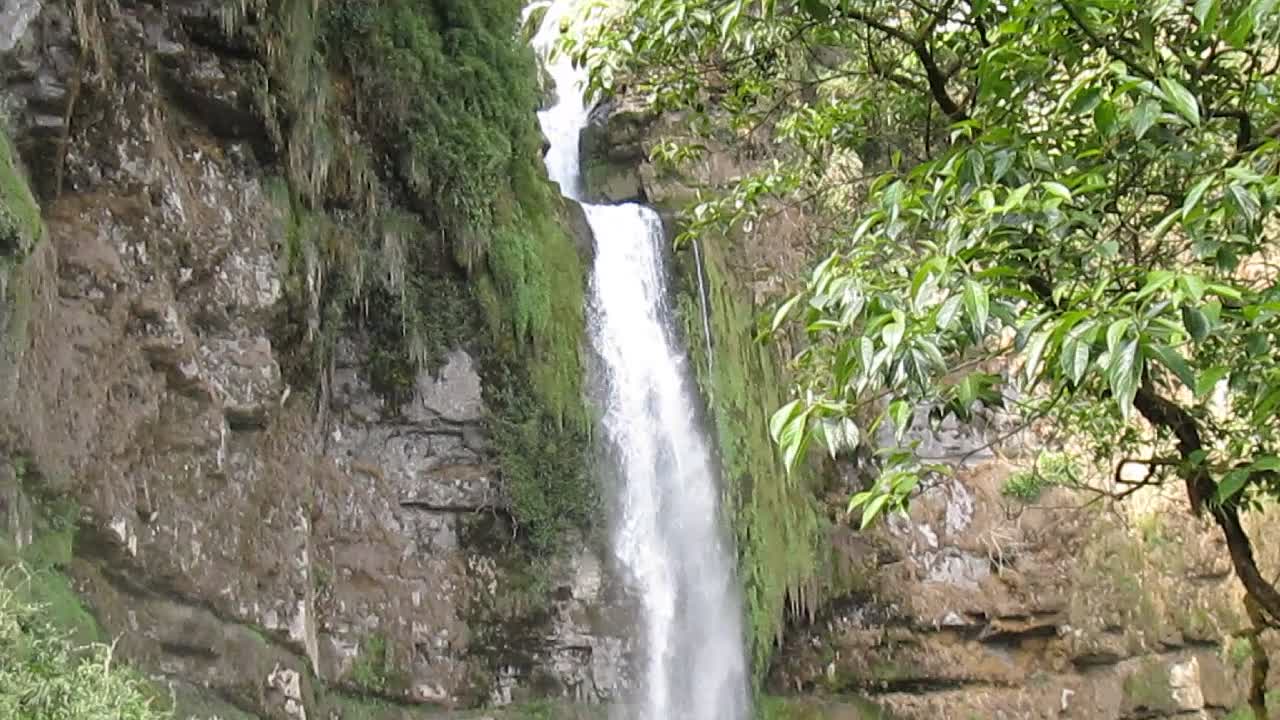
(667, 530)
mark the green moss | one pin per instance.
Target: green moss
(780, 708)
(450, 93)
(445, 93)
(1149, 687)
(779, 529)
(37, 570)
(374, 669)
(20, 224)
(20, 229)
(544, 462)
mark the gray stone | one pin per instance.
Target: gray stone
(244, 376)
(15, 16)
(454, 394)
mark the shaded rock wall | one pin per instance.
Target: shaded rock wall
(268, 549)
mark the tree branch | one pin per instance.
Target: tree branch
(1201, 488)
(1104, 44)
(1244, 127)
(920, 46)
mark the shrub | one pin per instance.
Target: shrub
(1051, 469)
(44, 676)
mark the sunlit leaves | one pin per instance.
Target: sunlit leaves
(1098, 222)
(1181, 99)
(977, 305)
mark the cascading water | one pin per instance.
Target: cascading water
(667, 535)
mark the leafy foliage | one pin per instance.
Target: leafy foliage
(1051, 469)
(1082, 192)
(46, 676)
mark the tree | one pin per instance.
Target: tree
(1082, 189)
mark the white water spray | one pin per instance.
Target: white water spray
(667, 534)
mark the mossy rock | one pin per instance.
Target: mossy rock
(20, 224)
(836, 708)
(1149, 689)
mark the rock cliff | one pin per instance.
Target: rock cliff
(263, 533)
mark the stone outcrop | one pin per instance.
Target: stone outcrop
(266, 549)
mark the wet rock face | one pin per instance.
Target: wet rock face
(238, 533)
(983, 605)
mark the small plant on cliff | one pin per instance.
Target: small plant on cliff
(1051, 469)
(374, 668)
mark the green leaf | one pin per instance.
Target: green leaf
(781, 417)
(1144, 116)
(1116, 332)
(1125, 371)
(1245, 201)
(1239, 28)
(1181, 99)
(1202, 10)
(892, 335)
(1105, 118)
(1266, 463)
(1193, 286)
(1075, 358)
(840, 434)
(1195, 322)
(1194, 194)
(867, 352)
(794, 439)
(1257, 344)
(860, 499)
(1156, 281)
(1087, 100)
(947, 313)
(1225, 291)
(1231, 484)
(873, 509)
(1035, 349)
(1175, 362)
(1209, 379)
(900, 412)
(781, 315)
(1057, 189)
(977, 305)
